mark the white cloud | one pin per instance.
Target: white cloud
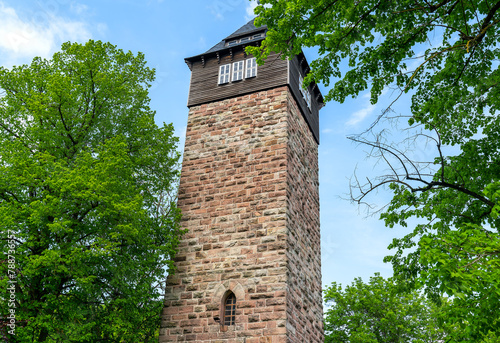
(42, 35)
(202, 43)
(360, 115)
(249, 10)
(219, 8)
(79, 8)
(101, 28)
(364, 112)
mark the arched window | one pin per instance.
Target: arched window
(229, 312)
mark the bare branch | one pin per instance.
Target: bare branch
(408, 172)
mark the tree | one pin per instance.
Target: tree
(87, 181)
(377, 312)
(444, 53)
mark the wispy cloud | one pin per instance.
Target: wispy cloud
(202, 43)
(22, 39)
(249, 10)
(361, 114)
(79, 8)
(219, 8)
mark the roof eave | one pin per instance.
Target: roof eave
(246, 33)
(207, 54)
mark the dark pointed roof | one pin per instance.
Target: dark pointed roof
(246, 30)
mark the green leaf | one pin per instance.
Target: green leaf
(85, 183)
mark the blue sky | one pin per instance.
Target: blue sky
(167, 31)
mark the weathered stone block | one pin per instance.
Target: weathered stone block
(249, 197)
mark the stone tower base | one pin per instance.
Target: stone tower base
(250, 202)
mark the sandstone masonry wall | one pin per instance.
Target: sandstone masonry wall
(304, 297)
(237, 196)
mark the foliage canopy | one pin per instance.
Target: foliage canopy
(376, 312)
(445, 54)
(86, 185)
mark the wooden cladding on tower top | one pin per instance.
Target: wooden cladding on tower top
(220, 73)
(226, 71)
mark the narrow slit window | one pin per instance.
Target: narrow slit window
(237, 71)
(229, 310)
(251, 68)
(224, 72)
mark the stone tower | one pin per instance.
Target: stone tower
(248, 269)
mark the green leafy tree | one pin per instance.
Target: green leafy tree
(377, 312)
(87, 181)
(444, 53)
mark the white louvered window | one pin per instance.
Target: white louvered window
(301, 84)
(307, 96)
(305, 92)
(224, 72)
(251, 68)
(237, 71)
